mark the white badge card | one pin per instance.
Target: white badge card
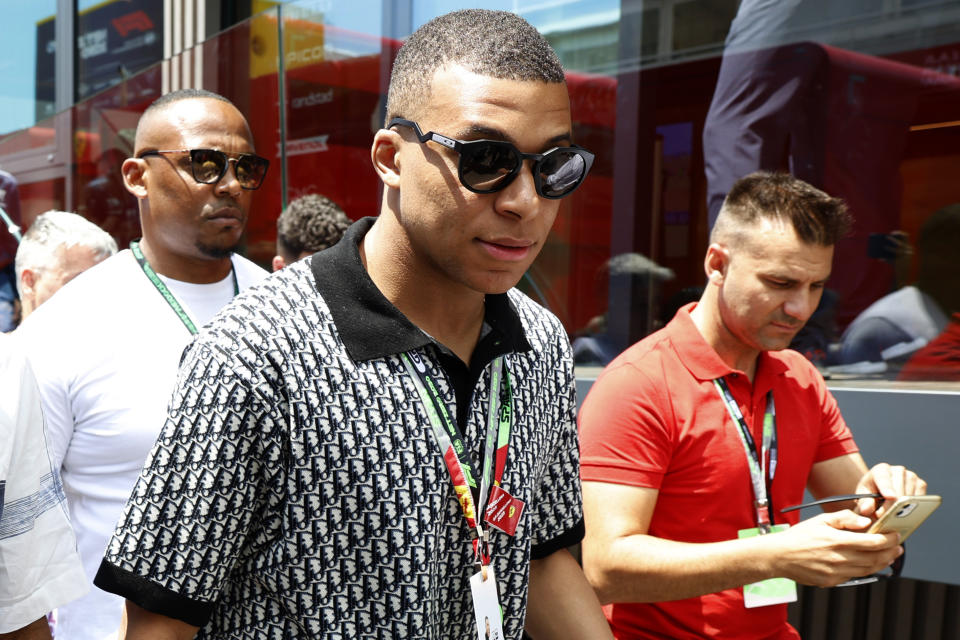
(486, 606)
(772, 591)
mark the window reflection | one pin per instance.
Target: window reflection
(677, 98)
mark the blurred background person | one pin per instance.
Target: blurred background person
(39, 566)
(939, 360)
(56, 248)
(10, 202)
(309, 224)
(913, 315)
(594, 345)
(107, 202)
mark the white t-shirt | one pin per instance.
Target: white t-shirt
(105, 349)
(39, 565)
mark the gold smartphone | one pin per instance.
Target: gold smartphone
(905, 515)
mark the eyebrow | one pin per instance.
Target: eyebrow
(792, 281)
(493, 133)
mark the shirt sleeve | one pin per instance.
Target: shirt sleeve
(54, 390)
(624, 435)
(203, 497)
(39, 565)
(557, 512)
(835, 437)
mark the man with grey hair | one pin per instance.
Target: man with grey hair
(106, 382)
(56, 248)
(379, 441)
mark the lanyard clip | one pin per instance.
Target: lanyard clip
(481, 553)
(481, 550)
(763, 515)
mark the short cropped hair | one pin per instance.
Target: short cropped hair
(309, 224)
(184, 94)
(816, 217)
(176, 96)
(498, 44)
(38, 248)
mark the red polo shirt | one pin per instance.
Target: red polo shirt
(654, 419)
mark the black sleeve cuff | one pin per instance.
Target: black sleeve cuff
(151, 596)
(566, 539)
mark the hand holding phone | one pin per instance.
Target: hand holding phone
(905, 515)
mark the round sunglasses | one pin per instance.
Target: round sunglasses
(487, 166)
(208, 166)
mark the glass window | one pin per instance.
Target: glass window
(27, 64)
(677, 98)
(116, 39)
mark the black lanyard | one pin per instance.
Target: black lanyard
(166, 293)
(761, 473)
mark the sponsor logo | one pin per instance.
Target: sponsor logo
(309, 54)
(304, 146)
(136, 21)
(315, 98)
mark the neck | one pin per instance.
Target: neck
(449, 312)
(709, 322)
(185, 268)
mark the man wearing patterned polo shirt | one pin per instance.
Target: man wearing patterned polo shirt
(379, 441)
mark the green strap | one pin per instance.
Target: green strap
(166, 293)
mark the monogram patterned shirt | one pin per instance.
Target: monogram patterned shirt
(297, 491)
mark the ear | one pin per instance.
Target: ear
(28, 280)
(716, 262)
(385, 154)
(278, 263)
(134, 170)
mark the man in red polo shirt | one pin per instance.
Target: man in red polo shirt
(694, 439)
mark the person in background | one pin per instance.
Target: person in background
(309, 224)
(56, 248)
(39, 566)
(913, 315)
(9, 230)
(306, 483)
(695, 437)
(105, 349)
(939, 360)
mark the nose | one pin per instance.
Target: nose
(801, 304)
(229, 182)
(520, 197)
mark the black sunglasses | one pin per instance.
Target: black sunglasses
(487, 166)
(209, 166)
(893, 571)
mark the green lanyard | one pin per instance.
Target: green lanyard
(761, 475)
(166, 293)
(456, 457)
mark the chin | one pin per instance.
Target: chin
(777, 345)
(217, 251)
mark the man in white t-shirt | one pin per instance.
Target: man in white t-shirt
(105, 349)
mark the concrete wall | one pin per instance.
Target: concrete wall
(920, 430)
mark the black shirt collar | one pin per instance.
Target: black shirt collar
(369, 325)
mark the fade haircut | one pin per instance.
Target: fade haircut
(167, 99)
(816, 217)
(309, 223)
(53, 229)
(498, 44)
